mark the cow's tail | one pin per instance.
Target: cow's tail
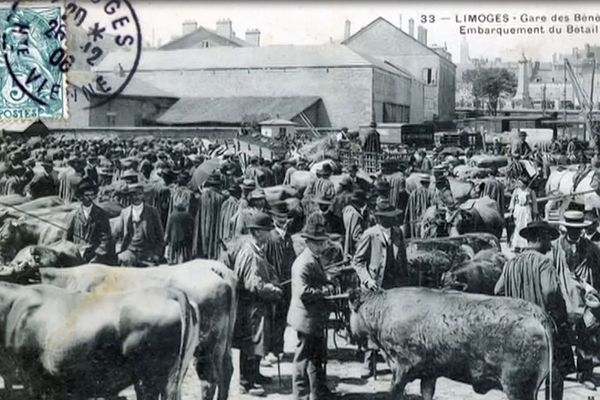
(190, 332)
(548, 376)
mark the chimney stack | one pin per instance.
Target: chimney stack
(420, 33)
(224, 28)
(411, 27)
(425, 36)
(253, 37)
(188, 27)
(347, 27)
(400, 21)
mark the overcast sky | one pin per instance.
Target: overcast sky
(316, 22)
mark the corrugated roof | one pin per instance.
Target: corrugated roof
(189, 40)
(234, 110)
(284, 56)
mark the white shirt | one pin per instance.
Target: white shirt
(136, 212)
(387, 233)
(86, 211)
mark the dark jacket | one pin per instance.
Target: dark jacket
(151, 226)
(371, 261)
(95, 232)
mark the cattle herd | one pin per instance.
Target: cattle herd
(71, 328)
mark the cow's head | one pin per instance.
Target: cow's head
(450, 280)
(35, 257)
(364, 305)
(9, 232)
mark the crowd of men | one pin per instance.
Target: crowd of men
(170, 208)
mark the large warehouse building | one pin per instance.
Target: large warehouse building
(354, 88)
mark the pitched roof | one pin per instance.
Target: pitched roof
(137, 87)
(284, 56)
(381, 19)
(234, 110)
(189, 40)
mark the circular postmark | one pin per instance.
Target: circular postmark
(46, 47)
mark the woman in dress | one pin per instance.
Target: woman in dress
(523, 207)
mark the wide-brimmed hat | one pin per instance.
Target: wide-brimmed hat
(130, 176)
(260, 220)
(522, 134)
(425, 178)
(134, 187)
(539, 230)
(314, 230)
(248, 184)
(87, 185)
(280, 210)
(385, 209)
(439, 170)
(257, 194)
(574, 219)
(214, 179)
(359, 195)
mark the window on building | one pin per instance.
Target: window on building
(395, 112)
(205, 44)
(282, 131)
(429, 76)
(111, 118)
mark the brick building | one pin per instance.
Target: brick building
(354, 87)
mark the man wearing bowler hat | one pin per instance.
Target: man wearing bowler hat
(308, 314)
(532, 276)
(576, 255)
(380, 262)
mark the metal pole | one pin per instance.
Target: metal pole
(565, 99)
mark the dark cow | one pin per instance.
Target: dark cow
(76, 345)
(489, 342)
(478, 275)
(478, 215)
(209, 284)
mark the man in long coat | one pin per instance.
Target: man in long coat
(257, 290)
(229, 209)
(577, 256)
(418, 201)
(279, 251)
(354, 223)
(90, 225)
(532, 276)
(380, 263)
(307, 316)
(211, 200)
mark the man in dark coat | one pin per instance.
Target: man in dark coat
(279, 251)
(380, 262)
(257, 291)
(576, 255)
(44, 183)
(308, 314)
(90, 225)
(211, 200)
(372, 141)
(522, 148)
(532, 276)
(140, 230)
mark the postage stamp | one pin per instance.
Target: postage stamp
(32, 84)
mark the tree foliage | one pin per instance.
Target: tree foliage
(491, 84)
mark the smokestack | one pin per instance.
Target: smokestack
(253, 37)
(400, 21)
(411, 27)
(347, 27)
(188, 27)
(224, 28)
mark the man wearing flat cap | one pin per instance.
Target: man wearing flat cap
(380, 262)
(89, 225)
(140, 230)
(531, 276)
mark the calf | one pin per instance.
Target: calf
(488, 342)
